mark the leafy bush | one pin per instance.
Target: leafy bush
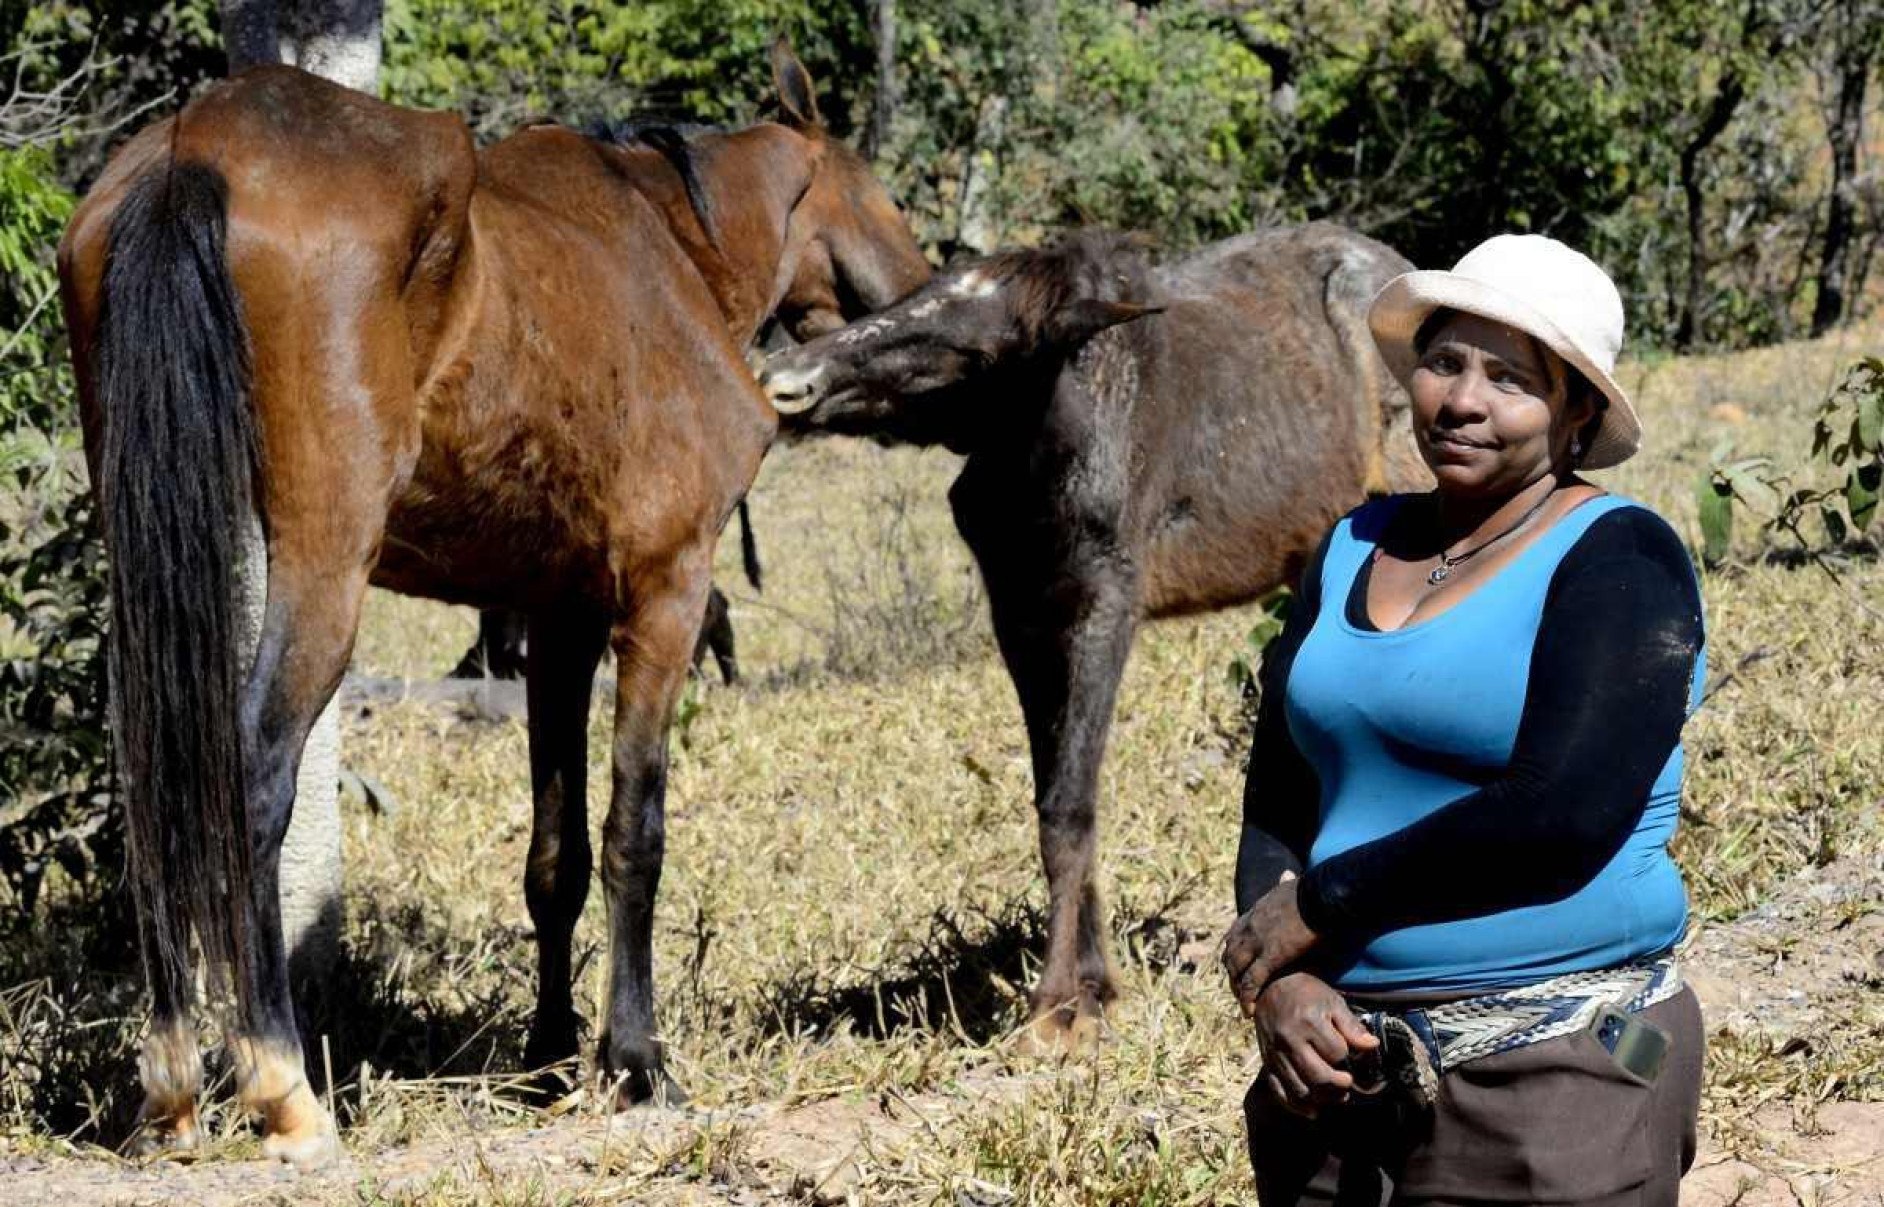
(1800, 509)
(54, 763)
(502, 61)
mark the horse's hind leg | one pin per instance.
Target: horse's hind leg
(315, 588)
(653, 646)
(330, 481)
(716, 638)
(563, 652)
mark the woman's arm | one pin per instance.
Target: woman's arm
(1281, 797)
(1611, 672)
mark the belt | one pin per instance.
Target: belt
(1420, 1044)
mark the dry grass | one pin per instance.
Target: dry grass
(852, 893)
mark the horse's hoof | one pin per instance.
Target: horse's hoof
(296, 1130)
(1065, 1028)
(295, 1126)
(171, 1136)
(171, 1069)
(639, 1076)
(657, 1090)
(647, 1087)
(1051, 1038)
(310, 1151)
(550, 1056)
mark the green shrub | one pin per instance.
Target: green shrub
(1820, 508)
(54, 761)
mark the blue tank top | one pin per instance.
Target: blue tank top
(1399, 723)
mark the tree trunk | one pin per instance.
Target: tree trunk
(1845, 130)
(1719, 113)
(1043, 29)
(883, 110)
(336, 40)
(251, 34)
(977, 228)
(339, 40)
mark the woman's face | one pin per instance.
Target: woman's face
(1489, 409)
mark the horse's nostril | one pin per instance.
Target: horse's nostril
(790, 391)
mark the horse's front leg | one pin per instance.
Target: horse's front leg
(653, 642)
(564, 648)
(1065, 645)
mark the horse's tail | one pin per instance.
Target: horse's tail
(178, 484)
(749, 549)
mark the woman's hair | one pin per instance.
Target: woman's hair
(1576, 386)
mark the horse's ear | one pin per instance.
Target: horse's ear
(1079, 320)
(796, 97)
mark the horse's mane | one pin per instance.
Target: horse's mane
(670, 140)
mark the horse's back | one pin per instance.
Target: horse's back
(1264, 409)
(592, 350)
(357, 195)
(344, 220)
(1283, 259)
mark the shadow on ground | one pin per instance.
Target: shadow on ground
(374, 1021)
(73, 1011)
(967, 980)
(970, 978)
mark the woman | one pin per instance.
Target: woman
(1456, 895)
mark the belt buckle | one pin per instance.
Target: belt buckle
(1401, 1064)
(1369, 1069)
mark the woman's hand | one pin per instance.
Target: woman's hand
(1263, 942)
(1307, 1032)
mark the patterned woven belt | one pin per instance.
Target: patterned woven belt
(1455, 1032)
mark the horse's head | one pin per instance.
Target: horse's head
(848, 251)
(945, 363)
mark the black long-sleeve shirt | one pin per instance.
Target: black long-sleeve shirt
(1610, 679)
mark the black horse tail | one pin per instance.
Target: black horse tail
(749, 549)
(177, 486)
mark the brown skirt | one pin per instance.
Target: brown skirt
(1553, 1122)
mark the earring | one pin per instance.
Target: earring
(1576, 449)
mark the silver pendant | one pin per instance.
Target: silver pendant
(1440, 574)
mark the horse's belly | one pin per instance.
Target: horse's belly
(1200, 572)
(491, 544)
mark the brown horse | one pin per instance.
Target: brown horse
(686, 195)
(1143, 440)
(498, 378)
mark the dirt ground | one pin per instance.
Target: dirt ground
(1787, 976)
(1791, 975)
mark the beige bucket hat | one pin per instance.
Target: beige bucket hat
(1539, 286)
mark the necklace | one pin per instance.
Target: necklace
(1447, 561)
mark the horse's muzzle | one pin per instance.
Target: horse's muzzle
(792, 390)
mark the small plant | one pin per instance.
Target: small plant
(687, 710)
(896, 605)
(1847, 435)
(1247, 663)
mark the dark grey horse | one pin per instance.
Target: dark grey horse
(1142, 440)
